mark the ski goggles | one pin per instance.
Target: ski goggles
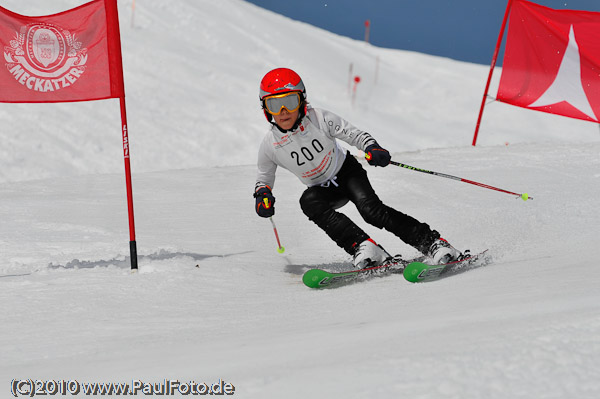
(290, 101)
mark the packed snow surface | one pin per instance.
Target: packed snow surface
(525, 326)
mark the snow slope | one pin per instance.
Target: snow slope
(192, 70)
(527, 326)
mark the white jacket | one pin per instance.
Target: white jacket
(311, 151)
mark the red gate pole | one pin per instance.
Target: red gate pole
(118, 91)
(132, 242)
(487, 86)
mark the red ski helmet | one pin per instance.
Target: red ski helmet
(280, 81)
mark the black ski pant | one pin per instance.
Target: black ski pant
(319, 203)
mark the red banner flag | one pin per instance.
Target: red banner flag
(552, 61)
(71, 56)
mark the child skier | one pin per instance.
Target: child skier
(303, 140)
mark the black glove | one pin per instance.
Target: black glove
(265, 202)
(377, 156)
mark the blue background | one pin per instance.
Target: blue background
(465, 30)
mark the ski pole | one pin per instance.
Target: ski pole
(523, 196)
(280, 249)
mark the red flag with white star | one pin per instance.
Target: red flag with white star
(71, 56)
(552, 61)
